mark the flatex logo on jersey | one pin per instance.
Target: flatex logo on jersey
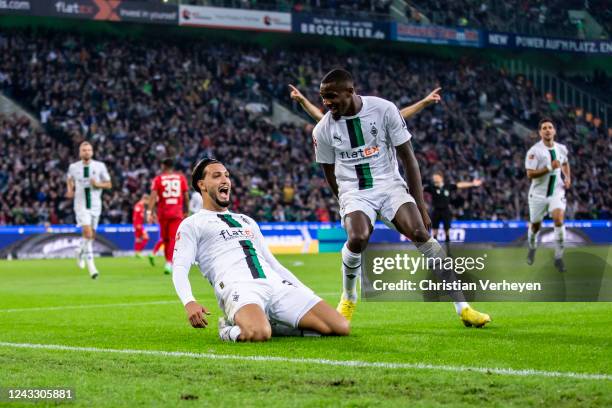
(361, 153)
(234, 233)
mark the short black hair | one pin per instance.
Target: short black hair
(337, 75)
(168, 162)
(545, 120)
(198, 171)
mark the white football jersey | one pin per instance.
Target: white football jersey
(228, 248)
(540, 156)
(362, 146)
(87, 197)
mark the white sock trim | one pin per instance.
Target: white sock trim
(459, 306)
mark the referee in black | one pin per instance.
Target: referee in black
(440, 202)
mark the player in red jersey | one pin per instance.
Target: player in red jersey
(170, 191)
(141, 237)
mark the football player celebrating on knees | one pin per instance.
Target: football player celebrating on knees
(252, 288)
(141, 237)
(85, 181)
(357, 143)
(545, 162)
(169, 190)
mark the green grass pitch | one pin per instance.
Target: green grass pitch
(142, 312)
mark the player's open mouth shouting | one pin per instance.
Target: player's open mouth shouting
(224, 192)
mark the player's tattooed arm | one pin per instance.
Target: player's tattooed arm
(567, 179)
(308, 106)
(70, 187)
(413, 176)
(106, 185)
(410, 111)
(537, 173)
(105, 182)
(329, 170)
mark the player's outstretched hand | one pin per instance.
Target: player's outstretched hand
(434, 96)
(477, 182)
(296, 95)
(196, 313)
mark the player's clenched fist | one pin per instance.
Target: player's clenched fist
(196, 313)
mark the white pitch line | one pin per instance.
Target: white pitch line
(67, 307)
(317, 361)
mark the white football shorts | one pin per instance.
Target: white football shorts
(540, 206)
(383, 200)
(87, 217)
(281, 301)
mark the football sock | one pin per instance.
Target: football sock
(532, 239)
(91, 266)
(433, 250)
(351, 269)
(559, 233)
(447, 243)
(282, 330)
(230, 333)
(83, 248)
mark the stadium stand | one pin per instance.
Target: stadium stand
(538, 17)
(371, 9)
(139, 101)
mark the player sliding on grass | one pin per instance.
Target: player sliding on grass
(357, 143)
(251, 286)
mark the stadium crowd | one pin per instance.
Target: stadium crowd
(550, 17)
(140, 101)
(537, 17)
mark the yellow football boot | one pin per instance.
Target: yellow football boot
(471, 317)
(346, 308)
